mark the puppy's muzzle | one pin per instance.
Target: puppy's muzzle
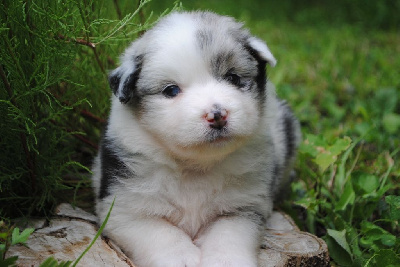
(217, 118)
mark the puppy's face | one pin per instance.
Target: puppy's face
(196, 82)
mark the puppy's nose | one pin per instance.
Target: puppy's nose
(217, 118)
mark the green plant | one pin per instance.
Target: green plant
(10, 236)
(54, 56)
(358, 214)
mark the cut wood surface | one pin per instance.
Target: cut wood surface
(285, 245)
(65, 237)
(68, 234)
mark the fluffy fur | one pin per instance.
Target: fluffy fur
(196, 145)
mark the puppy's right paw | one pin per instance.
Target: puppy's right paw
(228, 261)
(178, 256)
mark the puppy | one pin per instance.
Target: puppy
(196, 145)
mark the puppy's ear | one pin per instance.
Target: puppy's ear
(262, 50)
(123, 79)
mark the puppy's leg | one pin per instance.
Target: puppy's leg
(230, 241)
(155, 242)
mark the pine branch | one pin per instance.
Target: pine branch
(84, 140)
(88, 44)
(118, 9)
(77, 41)
(91, 116)
(84, 14)
(83, 112)
(98, 61)
(6, 85)
(29, 160)
(142, 19)
(15, 61)
(111, 61)
(77, 136)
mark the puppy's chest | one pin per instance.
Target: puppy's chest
(198, 199)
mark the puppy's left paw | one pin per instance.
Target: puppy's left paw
(227, 261)
(229, 242)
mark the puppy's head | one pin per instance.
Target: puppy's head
(196, 82)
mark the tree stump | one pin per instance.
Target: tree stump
(68, 234)
(65, 237)
(285, 245)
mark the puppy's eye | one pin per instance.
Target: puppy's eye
(233, 79)
(171, 91)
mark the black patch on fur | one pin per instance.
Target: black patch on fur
(114, 81)
(276, 176)
(128, 90)
(222, 63)
(111, 166)
(289, 130)
(261, 77)
(223, 67)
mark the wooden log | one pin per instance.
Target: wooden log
(285, 245)
(67, 235)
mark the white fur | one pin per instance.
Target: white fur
(262, 47)
(168, 209)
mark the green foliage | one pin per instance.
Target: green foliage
(361, 223)
(10, 236)
(52, 262)
(54, 56)
(20, 238)
(318, 13)
(354, 206)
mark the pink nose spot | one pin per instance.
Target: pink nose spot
(217, 118)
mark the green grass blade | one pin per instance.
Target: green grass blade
(97, 235)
